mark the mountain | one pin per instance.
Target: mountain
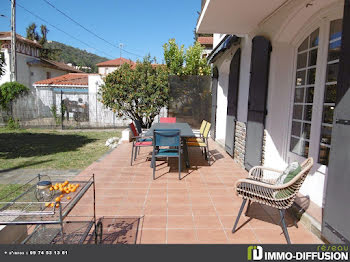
(77, 57)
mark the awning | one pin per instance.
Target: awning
(225, 44)
(235, 16)
(71, 90)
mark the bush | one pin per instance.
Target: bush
(9, 92)
(138, 93)
(13, 123)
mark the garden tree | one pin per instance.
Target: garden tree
(139, 93)
(195, 64)
(189, 62)
(32, 34)
(174, 57)
(9, 92)
(44, 31)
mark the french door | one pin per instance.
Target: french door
(314, 94)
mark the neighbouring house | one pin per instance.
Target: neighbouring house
(207, 43)
(79, 94)
(106, 67)
(30, 68)
(280, 74)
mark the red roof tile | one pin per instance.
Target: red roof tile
(67, 80)
(116, 62)
(205, 40)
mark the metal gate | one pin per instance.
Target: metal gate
(214, 90)
(336, 223)
(259, 75)
(232, 101)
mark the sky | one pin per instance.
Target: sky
(141, 26)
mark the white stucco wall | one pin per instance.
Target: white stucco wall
(104, 70)
(221, 111)
(281, 84)
(99, 115)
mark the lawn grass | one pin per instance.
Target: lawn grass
(52, 149)
(6, 191)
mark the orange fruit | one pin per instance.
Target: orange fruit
(52, 205)
(47, 204)
(51, 188)
(77, 185)
(68, 198)
(73, 189)
(57, 205)
(55, 187)
(57, 199)
(61, 196)
(61, 189)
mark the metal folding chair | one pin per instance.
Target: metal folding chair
(137, 142)
(166, 143)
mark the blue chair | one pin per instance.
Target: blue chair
(170, 139)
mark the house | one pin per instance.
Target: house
(280, 75)
(30, 68)
(106, 67)
(79, 94)
(207, 43)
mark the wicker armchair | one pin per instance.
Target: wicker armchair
(260, 187)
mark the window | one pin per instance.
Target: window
(314, 101)
(304, 95)
(334, 45)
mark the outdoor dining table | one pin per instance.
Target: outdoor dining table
(185, 132)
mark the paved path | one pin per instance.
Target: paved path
(20, 176)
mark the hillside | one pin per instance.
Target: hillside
(68, 54)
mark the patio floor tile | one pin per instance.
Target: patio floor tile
(181, 236)
(183, 222)
(152, 236)
(200, 208)
(212, 236)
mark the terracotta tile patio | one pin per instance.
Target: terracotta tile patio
(200, 208)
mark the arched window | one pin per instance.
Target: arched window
(334, 45)
(304, 95)
(315, 92)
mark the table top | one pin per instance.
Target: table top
(185, 129)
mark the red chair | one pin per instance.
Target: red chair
(138, 141)
(167, 120)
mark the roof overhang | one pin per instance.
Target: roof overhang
(225, 44)
(237, 17)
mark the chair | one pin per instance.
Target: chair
(167, 120)
(199, 133)
(138, 142)
(139, 127)
(202, 142)
(169, 138)
(260, 187)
